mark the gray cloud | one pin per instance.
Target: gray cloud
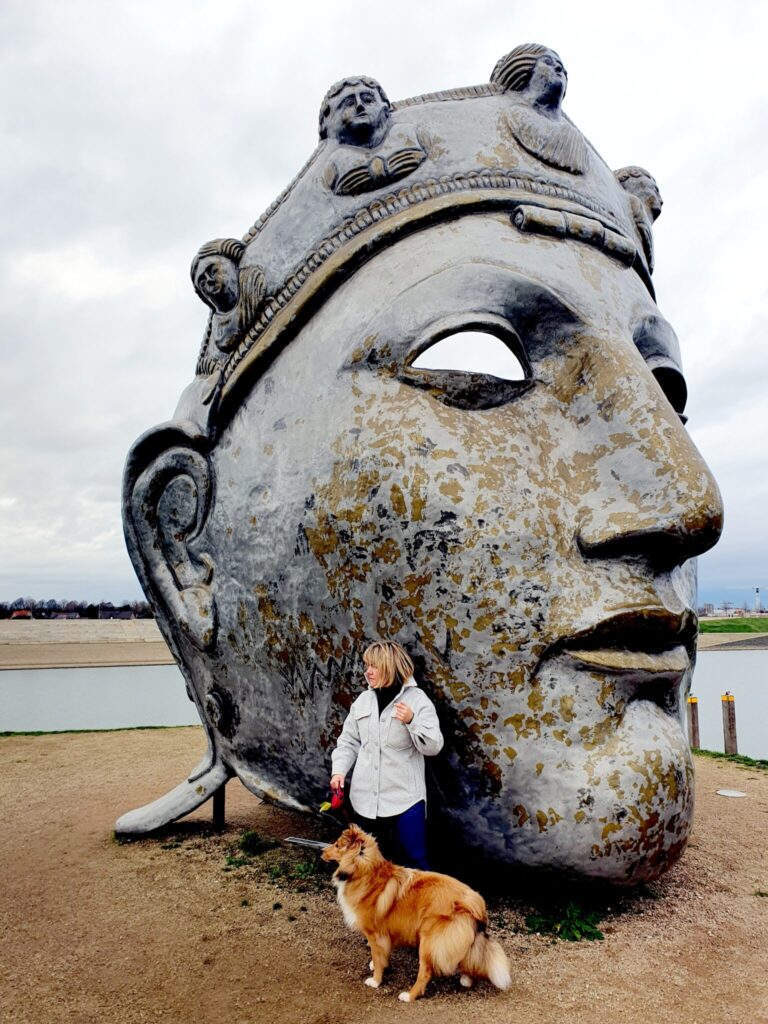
(139, 130)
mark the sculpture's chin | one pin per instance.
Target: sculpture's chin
(619, 812)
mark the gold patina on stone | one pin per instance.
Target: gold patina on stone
(529, 539)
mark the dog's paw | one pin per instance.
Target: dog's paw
(466, 980)
(370, 965)
(371, 983)
(405, 997)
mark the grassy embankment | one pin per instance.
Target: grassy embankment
(745, 625)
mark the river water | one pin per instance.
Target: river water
(113, 698)
(56, 699)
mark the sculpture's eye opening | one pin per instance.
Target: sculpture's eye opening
(472, 352)
(471, 368)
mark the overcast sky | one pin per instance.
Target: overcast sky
(134, 131)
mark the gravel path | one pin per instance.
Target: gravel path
(167, 930)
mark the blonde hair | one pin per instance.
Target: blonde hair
(391, 660)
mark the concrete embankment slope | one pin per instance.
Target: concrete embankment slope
(733, 642)
(85, 643)
(81, 643)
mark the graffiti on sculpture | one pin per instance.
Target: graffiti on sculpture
(528, 540)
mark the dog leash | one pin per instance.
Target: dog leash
(336, 803)
(312, 844)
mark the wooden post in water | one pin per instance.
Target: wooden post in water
(729, 723)
(693, 722)
(219, 807)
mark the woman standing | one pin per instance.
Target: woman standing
(391, 727)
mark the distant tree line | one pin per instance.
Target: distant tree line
(51, 608)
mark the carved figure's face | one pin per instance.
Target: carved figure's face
(647, 191)
(216, 282)
(357, 113)
(548, 80)
(525, 540)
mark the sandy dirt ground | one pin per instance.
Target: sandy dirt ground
(183, 928)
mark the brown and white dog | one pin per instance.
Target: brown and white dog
(395, 906)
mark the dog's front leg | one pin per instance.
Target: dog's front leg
(381, 947)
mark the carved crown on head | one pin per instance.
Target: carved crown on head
(380, 169)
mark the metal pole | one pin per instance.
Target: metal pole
(729, 723)
(693, 722)
(219, 807)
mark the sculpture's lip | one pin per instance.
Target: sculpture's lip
(669, 661)
(645, 646)
(649, 629)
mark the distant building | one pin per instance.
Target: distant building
(22, 613)
(116, 613)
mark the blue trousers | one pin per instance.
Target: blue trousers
(402, 837)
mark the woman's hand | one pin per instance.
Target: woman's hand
(337, 782)
(403, 713)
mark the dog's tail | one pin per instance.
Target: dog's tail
(486, 959)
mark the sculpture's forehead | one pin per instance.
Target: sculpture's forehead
(478, 273)
(352, 88)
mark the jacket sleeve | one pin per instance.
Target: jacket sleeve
(425, 728)
(347, 746)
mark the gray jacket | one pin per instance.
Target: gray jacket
(388, 756)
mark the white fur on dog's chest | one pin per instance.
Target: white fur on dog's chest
(350, 917)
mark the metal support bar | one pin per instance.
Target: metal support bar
(219, 807)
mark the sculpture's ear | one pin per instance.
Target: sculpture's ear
(167, 492)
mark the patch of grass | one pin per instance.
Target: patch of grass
(305, 869)
(253, 844)
(67, 732)
(244, 903)
(571, 923)
(278, 870)
(739, 625)
(759, 892)
(174, 844)
(250, 844)
(740, 759)
(233, 861)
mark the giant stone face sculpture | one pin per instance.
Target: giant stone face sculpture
(528, 540)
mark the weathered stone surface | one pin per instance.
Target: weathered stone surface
(528, 541)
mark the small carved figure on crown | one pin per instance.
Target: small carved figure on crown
(536, 77)
(356, 112)
(233, 294)
(645, 202)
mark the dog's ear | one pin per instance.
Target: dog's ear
(354, 836)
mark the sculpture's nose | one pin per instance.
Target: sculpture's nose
(649, 491)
